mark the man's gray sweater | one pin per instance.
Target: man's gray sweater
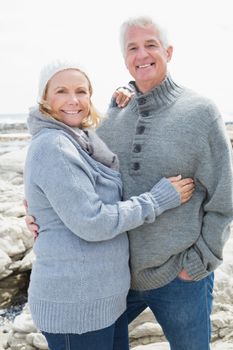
(169, 131)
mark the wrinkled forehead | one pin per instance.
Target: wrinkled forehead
(136, 34)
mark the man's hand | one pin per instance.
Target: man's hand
(122, 96)
(30, 222)
(184, 275)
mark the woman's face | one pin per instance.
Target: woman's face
(68, 96)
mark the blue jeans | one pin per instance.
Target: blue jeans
(96, 340)
(182, 308)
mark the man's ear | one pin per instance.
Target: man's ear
(169, 53)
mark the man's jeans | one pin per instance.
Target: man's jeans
(182, 308)
(96, 340)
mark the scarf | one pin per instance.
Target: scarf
(88, 140)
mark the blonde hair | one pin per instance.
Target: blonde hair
(91, 121)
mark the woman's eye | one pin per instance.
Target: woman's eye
(60, 91)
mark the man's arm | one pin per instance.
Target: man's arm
(214, 173)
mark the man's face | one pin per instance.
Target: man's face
(145, 57)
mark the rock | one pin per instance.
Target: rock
(37, 340)
(165, 346)
(26, 262)
(5, 262)
(15, 240)
(24, 334)
(11, 287)
(12, 246)
(13, 161)
(146, 329)
(154, 346)
(24, 324)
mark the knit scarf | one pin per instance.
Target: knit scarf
(86, 138)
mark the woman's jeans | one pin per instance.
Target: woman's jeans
(182, 308)
(97, 340)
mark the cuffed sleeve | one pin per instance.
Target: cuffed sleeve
(164, 196)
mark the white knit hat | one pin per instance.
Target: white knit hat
(50, 69)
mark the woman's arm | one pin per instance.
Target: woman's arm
(64, 180)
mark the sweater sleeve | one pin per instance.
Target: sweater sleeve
(68, 184)
(214, 174)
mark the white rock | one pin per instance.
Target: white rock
(12, 247)
(29, 347)
(26, 262)
(146, 329)
(18, 180)
(16, 210)
(23, 323)
(165, 346)
(15, 265)
(5, 262)
(18, 335)
(37, 340)
(154, 346)
(13, 161)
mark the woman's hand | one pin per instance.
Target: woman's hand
(122, 96)
(30, 222)
(185, 187)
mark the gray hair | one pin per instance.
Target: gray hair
(142, 22)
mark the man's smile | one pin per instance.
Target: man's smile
(145, 65)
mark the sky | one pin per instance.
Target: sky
(32, 33)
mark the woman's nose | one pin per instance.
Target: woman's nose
(73, 98)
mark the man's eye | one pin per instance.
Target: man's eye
(132, 48)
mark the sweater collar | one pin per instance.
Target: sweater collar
(163, 95)
(37, 121)
(87, 139)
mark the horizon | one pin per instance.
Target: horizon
(228, 119)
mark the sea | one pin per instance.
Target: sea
(21, 118)
(12, 121)
(13, 132)
(18, 121)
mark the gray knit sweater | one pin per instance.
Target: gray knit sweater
(172, 130)
(80, 279)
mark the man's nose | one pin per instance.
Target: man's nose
(142, 52)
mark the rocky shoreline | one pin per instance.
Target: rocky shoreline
(17, 331)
